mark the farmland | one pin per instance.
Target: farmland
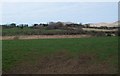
(95, 55)
(58, 28)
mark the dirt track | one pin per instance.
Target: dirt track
(41, 37)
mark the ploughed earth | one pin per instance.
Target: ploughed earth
(41, 36)
(63, 63)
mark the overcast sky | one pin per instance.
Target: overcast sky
(42, 12)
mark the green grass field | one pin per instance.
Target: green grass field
(14, 51)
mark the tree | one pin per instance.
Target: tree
(22, 26)
(25, 25)
(51, 25)
(12, 25)
(58, 25)
(87, 25)
(80, 24)
(35, 25)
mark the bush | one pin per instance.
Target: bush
(16, 38)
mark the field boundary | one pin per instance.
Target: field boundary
(41, 37)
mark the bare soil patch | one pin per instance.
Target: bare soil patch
(41, 37)
(63, 63)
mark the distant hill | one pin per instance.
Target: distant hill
(114, 24)
(67, 23)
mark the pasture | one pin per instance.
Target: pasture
(95, 55)
(42, 31)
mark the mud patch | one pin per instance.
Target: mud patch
(63, 63)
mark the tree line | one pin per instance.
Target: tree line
(58, 28)
(54, 25)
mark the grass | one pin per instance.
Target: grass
(14, 51)
(30, 31)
